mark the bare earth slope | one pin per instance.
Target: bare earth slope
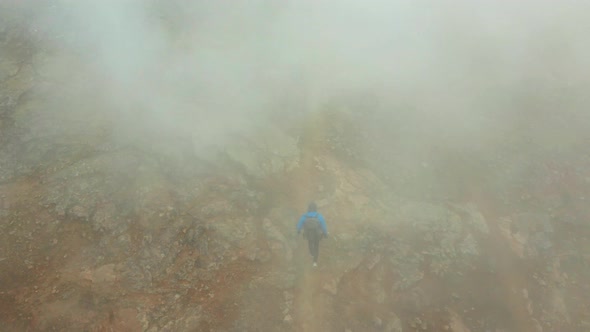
(105, 230)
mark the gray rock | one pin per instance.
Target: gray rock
(331, 287)
(469, 246)
(265, 152)
(8, 68)
(409, 271)
(539, 244)
(190, 320)
(279, 279)
(472, 216)
(450, 241)
(274, 235)
(377, 322)
(374, 260)
(393, 323)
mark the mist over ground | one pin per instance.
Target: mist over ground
(453, 69)
(155, 157)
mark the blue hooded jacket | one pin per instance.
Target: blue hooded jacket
(312, 215)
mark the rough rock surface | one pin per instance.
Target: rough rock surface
(102, 231)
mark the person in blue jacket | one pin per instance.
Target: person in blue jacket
(314, 226)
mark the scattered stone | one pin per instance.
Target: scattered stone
(331, 287)
(377, 322)
(393, 324)
(267, 152)
(288, 295)
(105, 273)
(374, 260)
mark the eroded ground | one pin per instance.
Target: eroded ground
(103, 231)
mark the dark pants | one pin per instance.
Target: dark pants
(313, 240)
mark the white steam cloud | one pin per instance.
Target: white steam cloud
(205, 69)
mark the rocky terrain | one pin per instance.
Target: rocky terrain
(105, 227)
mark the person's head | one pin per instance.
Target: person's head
(312, 207)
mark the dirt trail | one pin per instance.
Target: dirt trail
(309, 310)
(312, 145)
(510, 271)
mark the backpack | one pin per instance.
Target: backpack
(312, 226)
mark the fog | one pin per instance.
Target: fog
(207, 69)
(441, 139)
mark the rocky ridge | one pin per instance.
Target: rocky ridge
(103, 233)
